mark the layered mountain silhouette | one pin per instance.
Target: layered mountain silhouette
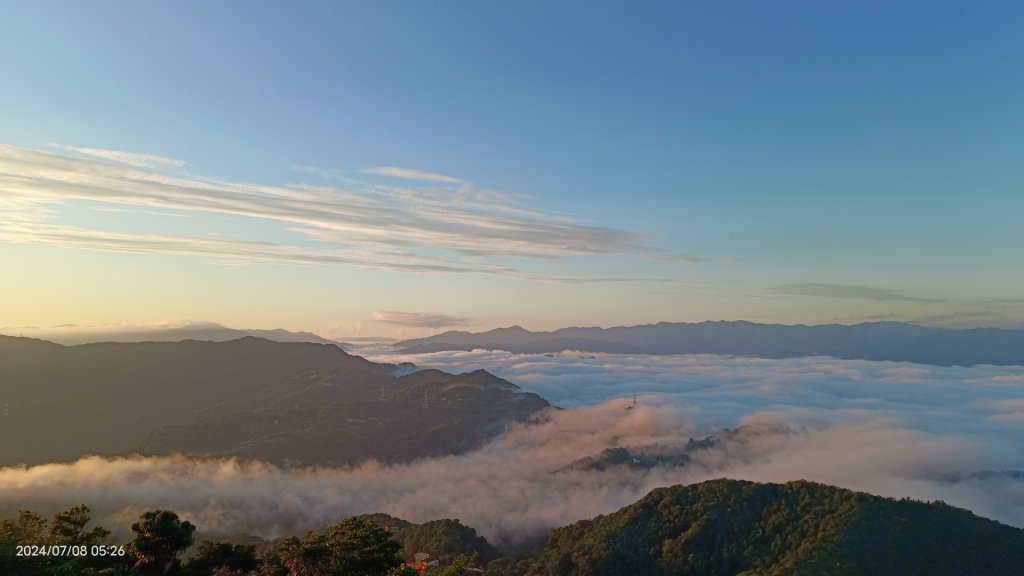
(72, 335)
(732, 527)
(288, 403)
(894, 341)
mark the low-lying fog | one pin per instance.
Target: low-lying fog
(893, 429)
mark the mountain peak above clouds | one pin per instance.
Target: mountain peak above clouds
(892, 341)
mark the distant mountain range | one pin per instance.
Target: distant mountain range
(288, 403)
(894, 341)
(732, 527)
(73, 335)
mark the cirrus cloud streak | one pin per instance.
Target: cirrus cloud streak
(453, 228)
(854, 291)
(418, 319)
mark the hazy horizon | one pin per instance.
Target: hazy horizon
(71, 334)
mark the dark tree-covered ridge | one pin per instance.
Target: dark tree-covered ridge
(731, 528)
(283, 402)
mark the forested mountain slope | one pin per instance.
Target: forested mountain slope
(299, 403)
(739, 528)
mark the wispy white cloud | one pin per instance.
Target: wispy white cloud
(399, 228)
(130, 158)
(26, 209)
(594, 279)
(161, 213)
(846, 291)
(418, 319)
(411, 174)
(224, 250)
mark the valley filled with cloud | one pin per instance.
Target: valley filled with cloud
(894, 429)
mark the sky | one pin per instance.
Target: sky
(396, 169)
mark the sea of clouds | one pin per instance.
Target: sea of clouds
(894, 429)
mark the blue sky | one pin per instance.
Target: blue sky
(394, 168)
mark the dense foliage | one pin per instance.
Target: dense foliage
(355, 547)
(159, 537)
(732, 528)
(445, 539)
(717, 528)
(367, 545)
(31, 545)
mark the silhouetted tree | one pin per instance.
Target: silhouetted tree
(159, 537)
(68, 527)
(309, 556)
(28, 528)
(355, 547)
(217, 556)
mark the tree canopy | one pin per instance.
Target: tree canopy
(355, 547)
(159, 537)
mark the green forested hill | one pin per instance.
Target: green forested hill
(738, 528)
(300, 403)
(444, 539)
